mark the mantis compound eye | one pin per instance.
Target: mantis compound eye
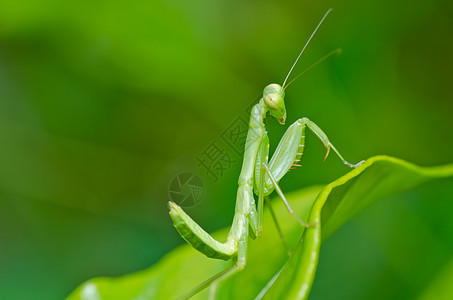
(272, 101)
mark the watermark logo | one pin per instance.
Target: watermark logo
(220, 155)
(186, 189)
(214, 161)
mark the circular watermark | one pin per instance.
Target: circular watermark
(186, 189)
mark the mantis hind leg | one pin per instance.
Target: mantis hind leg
(238, 266)
(282, 196)
(279, 230)
(204, 285)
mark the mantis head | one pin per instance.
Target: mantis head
(274, 101)
(274, 94)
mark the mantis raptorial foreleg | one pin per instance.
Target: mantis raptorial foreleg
(288, 153)
(262, 158)
(290, 150)
(259, 176)
(325, 140)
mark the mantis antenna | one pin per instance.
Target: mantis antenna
(306, 44)
(314, 64)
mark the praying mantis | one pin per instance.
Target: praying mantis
(258, 175)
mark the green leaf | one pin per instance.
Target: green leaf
(328, 207)
(440, 288)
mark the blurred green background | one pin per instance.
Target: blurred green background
(102, 103)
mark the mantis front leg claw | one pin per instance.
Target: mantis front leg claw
(329, 145)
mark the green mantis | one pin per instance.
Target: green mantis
(258, 175)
